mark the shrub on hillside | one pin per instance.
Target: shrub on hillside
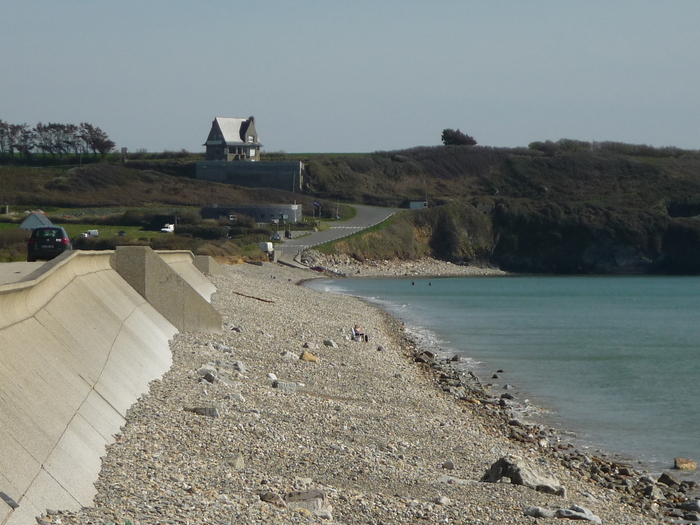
(13, 244)
(203, 231)
(454, 137)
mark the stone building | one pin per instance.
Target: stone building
(233, 139)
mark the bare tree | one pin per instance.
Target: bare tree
(21, 139)
(46, 137)
(54, 138)
(66, 138)
(104, 144)
(4, 137)
(95, 139)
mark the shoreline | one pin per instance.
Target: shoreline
(249, 422)
(562, 443)
(345, 266)
(528, 415)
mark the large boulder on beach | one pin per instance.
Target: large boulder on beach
(692, 505)
(578, 513)
(573, 513)
(539, 512)
(666, 479)
(285, 386)
(312, 500)
(520, 473)
(308, 356)
(653, 492)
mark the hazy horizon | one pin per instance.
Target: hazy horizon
(360, 77)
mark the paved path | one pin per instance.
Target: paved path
(11, 272)
(367, 216)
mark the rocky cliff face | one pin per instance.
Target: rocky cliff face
(525, 238)
(579, 208)
(582, 239)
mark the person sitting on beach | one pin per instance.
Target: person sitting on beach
(358, 334)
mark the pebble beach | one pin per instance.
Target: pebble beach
(346, 266)
(283, 418)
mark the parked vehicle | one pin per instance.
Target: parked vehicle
(47, 242)
(90, 233)
(168, 228)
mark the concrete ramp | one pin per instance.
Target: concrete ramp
(178, 296)
(208, 265)
(183, 262)
(289, 259)
(78, 346)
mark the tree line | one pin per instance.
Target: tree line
(567, 146)
(53, 139)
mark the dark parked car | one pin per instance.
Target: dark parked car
(47, 243)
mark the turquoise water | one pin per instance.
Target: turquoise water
(615, 360)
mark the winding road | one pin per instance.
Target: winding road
(366, 217)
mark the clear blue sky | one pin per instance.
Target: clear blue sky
(331, 76)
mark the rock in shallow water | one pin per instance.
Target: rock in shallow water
(684, 464)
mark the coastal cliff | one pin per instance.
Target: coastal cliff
(569, 207)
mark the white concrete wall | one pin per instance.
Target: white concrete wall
(78, 346)
(182, 262)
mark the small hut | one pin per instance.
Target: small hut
(36, 219)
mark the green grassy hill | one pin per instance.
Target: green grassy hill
(112, 185)
(555, 207)
(565, 207)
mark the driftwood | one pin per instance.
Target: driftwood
(253, 297)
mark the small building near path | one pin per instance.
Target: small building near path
(36, 219)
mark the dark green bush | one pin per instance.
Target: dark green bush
(202, 232)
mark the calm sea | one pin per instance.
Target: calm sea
(614, 360)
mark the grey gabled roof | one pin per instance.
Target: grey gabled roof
(233, 130)
(35, 220)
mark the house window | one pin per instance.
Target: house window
(252, 152)
(250, 138)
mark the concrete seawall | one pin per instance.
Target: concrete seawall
(185, 264)
(78, 346)
(173, 291)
